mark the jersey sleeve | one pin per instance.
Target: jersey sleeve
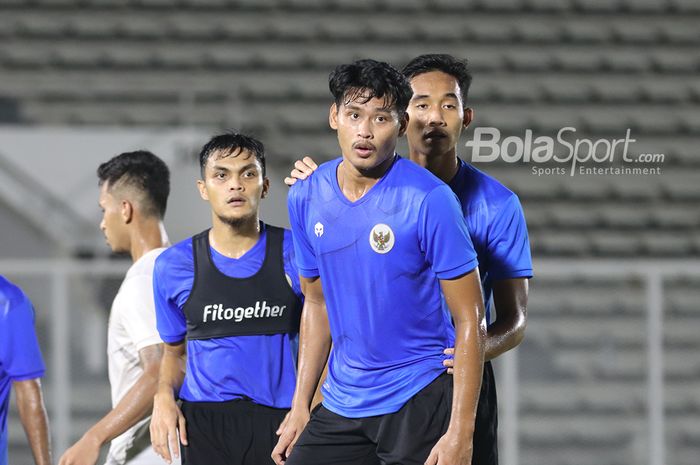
(444, 236)
(290, 266)
(508, 243)
(304, 253)
(20, 355)
(139, 311)
(170, 319)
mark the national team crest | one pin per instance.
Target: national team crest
(381, 238)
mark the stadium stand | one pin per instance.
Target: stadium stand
(601, 66)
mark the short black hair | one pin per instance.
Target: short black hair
(368, 79)
(229, 143)
(441, 62)
(141, 170)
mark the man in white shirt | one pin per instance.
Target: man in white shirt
(134, 190)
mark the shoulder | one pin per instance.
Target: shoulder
(487, 183)
(322, 177)
(415, 179)
(144, 265)
(12, 298)
(15, 307)
(175, 255)
(482, 190)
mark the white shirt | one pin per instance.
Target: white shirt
(132, 326)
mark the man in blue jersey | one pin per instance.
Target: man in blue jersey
(229, 298)
(437, 115)
(378, 242)
(21, 367)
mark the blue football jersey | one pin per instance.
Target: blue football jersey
(20, 356)
(497, 228)
(380, 260)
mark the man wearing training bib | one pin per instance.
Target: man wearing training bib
(231, 297)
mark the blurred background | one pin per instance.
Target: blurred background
(609, 372)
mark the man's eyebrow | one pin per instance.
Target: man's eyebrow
(421, 96)
(249, 166)
(216, 167)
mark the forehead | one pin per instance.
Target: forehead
(374, 104)
(231, 159)
(435, 84)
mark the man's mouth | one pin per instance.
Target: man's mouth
(435, 134)
(364, 149)
(235, 201)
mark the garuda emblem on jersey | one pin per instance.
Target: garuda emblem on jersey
(381, 238)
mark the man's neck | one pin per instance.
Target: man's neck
(234, 241)
(444, 165)
(146, 236)
(355, 183)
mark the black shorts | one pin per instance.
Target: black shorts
(238, 432)
(485, 447)
(405, 437)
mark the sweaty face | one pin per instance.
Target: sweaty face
(113, 225)
(233, 184)
(436, 113)
(367, 131)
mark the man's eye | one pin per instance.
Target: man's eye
(422, 106)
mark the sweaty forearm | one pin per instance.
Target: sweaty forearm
(172, 372)
(503, 335)
(314, 346)
(136, 404)
(468, 368)
(33, 416)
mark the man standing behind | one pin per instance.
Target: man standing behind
(21, 367)
(377, 239)
(134, 190)
(438, 113)
(230, 295)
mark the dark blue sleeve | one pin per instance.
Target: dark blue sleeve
(172, 280)
(304, 252)
(290, 266)
(444, 236)
(20, 355)
(508, 243)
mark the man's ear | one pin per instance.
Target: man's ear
(333, 117)
(468, 117)
(266, 187)
(202, 190)
(127, 211)
(403, 124)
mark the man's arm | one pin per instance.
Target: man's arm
(510, 299)
(133, 407)
(167, 417)
(314, 346)
(464, 299)
(32, 413)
